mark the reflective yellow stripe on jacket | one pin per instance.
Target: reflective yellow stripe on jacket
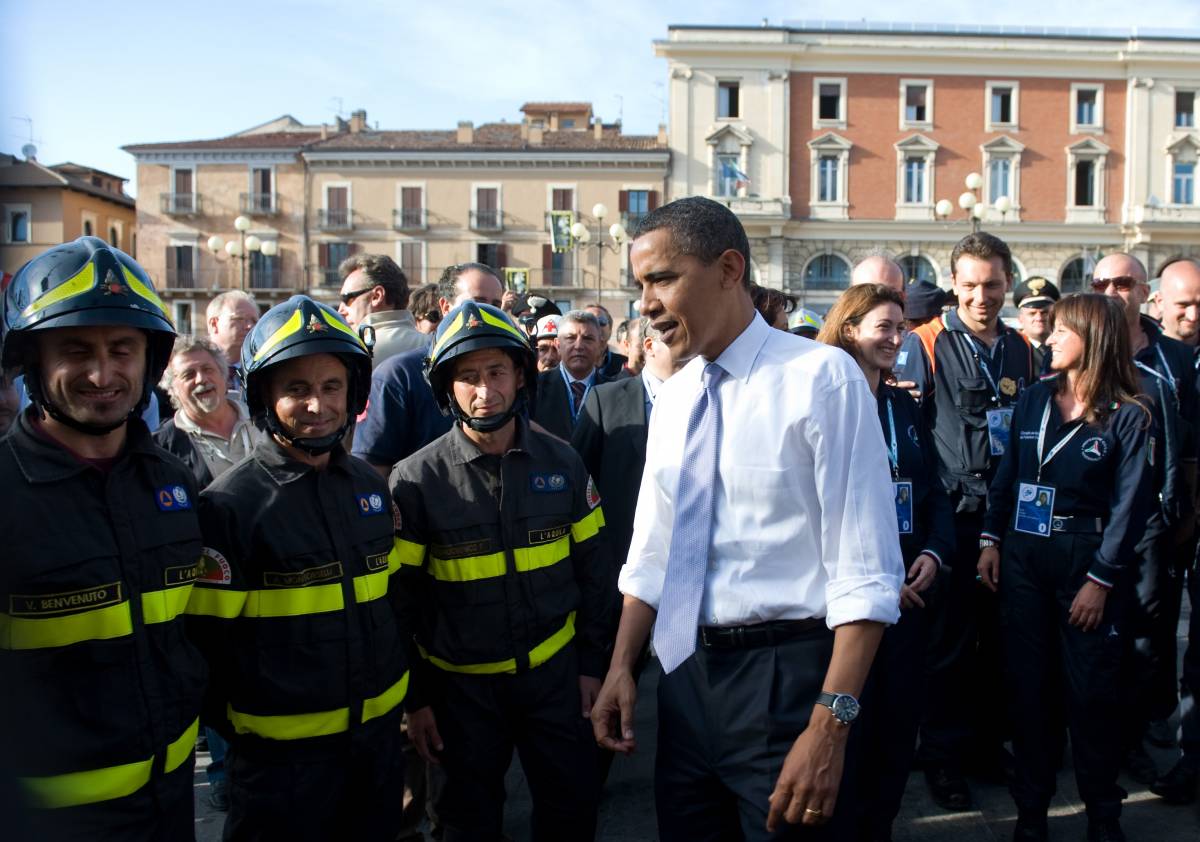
(75, 788)
(541, 653)
(106, 623)
(299, 726)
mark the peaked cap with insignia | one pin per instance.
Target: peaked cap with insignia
(1035, 292)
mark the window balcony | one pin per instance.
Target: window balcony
(329, 276)
(180, 204)
(408, 219)
(259, 204)
(486, 220)
(335, 219)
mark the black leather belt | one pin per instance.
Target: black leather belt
(757, 635)
(1077, 524)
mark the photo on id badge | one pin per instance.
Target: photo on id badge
(904, 507)
(999, 422)
(1035, 509)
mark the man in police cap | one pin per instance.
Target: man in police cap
(1034, 299)
(101, 687)
(506, 527)
(296, 607)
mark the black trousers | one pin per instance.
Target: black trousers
(892, 703)
(1058, 672)
(161, 811)
(354, 791)
(1189, 697)
(964, 647)
(1150, 672)
(726, 721)
(482, 718)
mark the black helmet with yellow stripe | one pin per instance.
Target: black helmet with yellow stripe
(85, 283)
(299, 327)
(472, 326)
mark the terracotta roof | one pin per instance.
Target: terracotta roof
(267, 140)
(489, 136)
(33, 174)
(557, 106)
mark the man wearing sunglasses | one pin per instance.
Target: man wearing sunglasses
(1168, 378)
(609, 364)
(375, 292)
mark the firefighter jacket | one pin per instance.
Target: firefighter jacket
(512, 555)
(294, 609)
(99, 686)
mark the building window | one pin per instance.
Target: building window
(263, 271)
(411, 211)
(728, 100)
(485, 211)
(827, 271)
(637, 204)
(827, 178)
(1185, 109)
(87, 228)
(1087, 108)
(917, 268)
(114, 237)
(566, 123)
(1076, 275)
(1002, 105)
(830, 162)
(183, 197)
(914, 181)
(1002, 173)
(183, 316)
(999, 176)
(16, 223)
(329, 258)
(562, 199)
(728, 174)
(1085, 184)
(1183, 183)
(829, 103)
(261, 198)
(181, 266)
(490, 254)
(412, 261)
(337, 213)
(916, 103)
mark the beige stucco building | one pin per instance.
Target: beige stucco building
(429, 199)
(42, 206)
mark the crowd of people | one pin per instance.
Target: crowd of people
(367, 553)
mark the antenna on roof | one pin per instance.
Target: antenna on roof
(620, 109)
(341, 109)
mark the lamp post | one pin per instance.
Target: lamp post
(583, 239)
(970, 202)
(241, 248)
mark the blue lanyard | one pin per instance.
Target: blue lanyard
(1167, 377)
(1044, 460)
(982, 365)
(893, 449)
(571, 395)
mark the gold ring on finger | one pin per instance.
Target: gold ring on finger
(813, 812)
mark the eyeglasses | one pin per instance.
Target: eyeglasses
(1122, 283)
(347, 297)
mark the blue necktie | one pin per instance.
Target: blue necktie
(679, 609)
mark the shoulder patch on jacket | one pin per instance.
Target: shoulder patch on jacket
(593, 495)
(214, 569)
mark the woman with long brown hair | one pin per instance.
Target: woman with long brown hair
(867, 322)
(1065, 509)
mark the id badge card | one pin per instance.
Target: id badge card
(999, 422)
(1035, 509)
(904, 506)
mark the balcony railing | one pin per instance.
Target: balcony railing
(630, 220)
(335, 219)
(259, 204)
(329, 276)
(180, 204)
(181, 278)
(486, 220)
(407, 219)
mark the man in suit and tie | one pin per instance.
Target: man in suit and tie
(562, 390)
(610, 435)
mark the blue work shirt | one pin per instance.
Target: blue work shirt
(402, 415)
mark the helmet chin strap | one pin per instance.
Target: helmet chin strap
(313, 447)
(489, 423)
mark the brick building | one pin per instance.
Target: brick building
(834, 140)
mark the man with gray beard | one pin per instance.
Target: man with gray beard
(210, 432)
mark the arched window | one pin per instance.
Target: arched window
(1076, 275)
(917, 268)
(827, 271)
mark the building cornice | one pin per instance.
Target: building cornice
(217, 156)
(608, 160)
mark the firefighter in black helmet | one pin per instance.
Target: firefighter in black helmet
(295, 609)
(505, 528)
(101, 688)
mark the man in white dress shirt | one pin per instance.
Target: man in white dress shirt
(793, 534)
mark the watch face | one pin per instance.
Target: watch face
(845, 708)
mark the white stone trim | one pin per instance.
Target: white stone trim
(1093, 150)
(11, 208)
(916, 146)
(829, 144)
(1013, 124)
(843, 103)
(916, 125)
(1087, 128)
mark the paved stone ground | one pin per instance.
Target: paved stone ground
(627, 812)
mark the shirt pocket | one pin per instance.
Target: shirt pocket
(973, 399)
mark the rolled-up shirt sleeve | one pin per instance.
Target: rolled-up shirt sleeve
(859, 542)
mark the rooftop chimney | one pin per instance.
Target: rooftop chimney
(597, 129)
(466, 131)
(535, 135)
(358, 121)
(662, 134)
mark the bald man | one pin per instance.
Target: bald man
(878, 269)
(1179, 295)
(1167, 375)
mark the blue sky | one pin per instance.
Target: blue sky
(93, 77)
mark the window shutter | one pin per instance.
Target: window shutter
(652, 200)
(323, 255)
(501, 256)
(547, 257)
(352, 248)
(623, 201)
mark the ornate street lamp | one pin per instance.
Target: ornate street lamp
(583, 239)
(241, 248)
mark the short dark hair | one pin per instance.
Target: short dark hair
(381, 271)
(984, 246)
(701, 228)
(424, 303)
(449, 280)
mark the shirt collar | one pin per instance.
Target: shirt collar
(185, 423)
(44, 461)
(570, 378)
(389, 318)
(737, 360)
(463, 450)
(283, 468)
(651, 384)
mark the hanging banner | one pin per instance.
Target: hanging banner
(560, 230)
